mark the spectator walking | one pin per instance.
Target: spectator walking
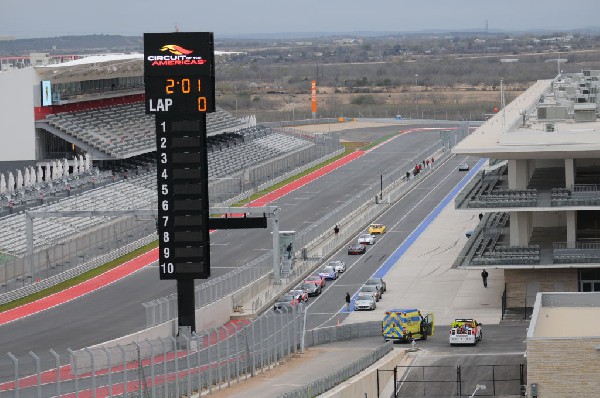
(407, 175)
(432, 160)
(484, 276)
(427, 162)
(480, 216)
(336, 229)
(347, 301)
(289, 250)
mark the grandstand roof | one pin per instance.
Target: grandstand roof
(131, 64)
(102, 66)
(96, 59)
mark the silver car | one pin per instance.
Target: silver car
(365, 301)
(379, 282)
(372, 289)
(366, 239)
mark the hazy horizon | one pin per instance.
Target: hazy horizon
(239, 18)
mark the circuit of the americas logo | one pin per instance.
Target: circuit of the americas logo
(178, 56)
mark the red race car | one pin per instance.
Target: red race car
(300, 295)
(316, 279)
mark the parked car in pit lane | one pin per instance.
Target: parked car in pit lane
(377, 229)
(312, 289)
(371, 289)
(365, 301)
(286, 302)
(340, 266)
(357, 248)
(366, 239)
(328, 272)
(379, 282)
(299, 294)
(316, 279)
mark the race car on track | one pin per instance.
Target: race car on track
(463, 167)
(316, 279)
(376, 229)
(465, 331)
(357, 248)
(299, 294)
(287, 302)
(312, 289)
(328, 272)
(366, 239)
(340, 266)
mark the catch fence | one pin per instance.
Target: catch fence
(458, 380)
(168, 367)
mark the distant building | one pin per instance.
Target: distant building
(347, 41)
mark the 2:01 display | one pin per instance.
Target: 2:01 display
(186, 86)
(180, 95)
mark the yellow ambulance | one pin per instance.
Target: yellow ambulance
(405, 325)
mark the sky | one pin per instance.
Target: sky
(51, 18)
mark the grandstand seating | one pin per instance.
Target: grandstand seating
(124, 195)
(233, 158)
(127, 134)
(125, 130)
(231, 153)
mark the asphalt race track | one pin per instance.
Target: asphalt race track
(401, 220)
(116, 310)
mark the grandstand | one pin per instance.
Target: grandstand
(90, 146)
(123, 131)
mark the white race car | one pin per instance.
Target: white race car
(340, 266)
(366, 239)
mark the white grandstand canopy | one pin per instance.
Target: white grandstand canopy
(106, 65)
(93, 60)
(101, 66)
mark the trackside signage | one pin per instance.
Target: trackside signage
(179, 54)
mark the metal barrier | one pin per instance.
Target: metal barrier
(75, 256)
(328, 382)
(76, 271)
(168, 367)
(459, 380)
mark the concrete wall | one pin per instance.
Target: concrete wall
(365, 383)
(549, 219)
(250, 292)
(17, 114)
(207, 317)
(522, 285)
(521, 226)
(544, 163)
(564, 367)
